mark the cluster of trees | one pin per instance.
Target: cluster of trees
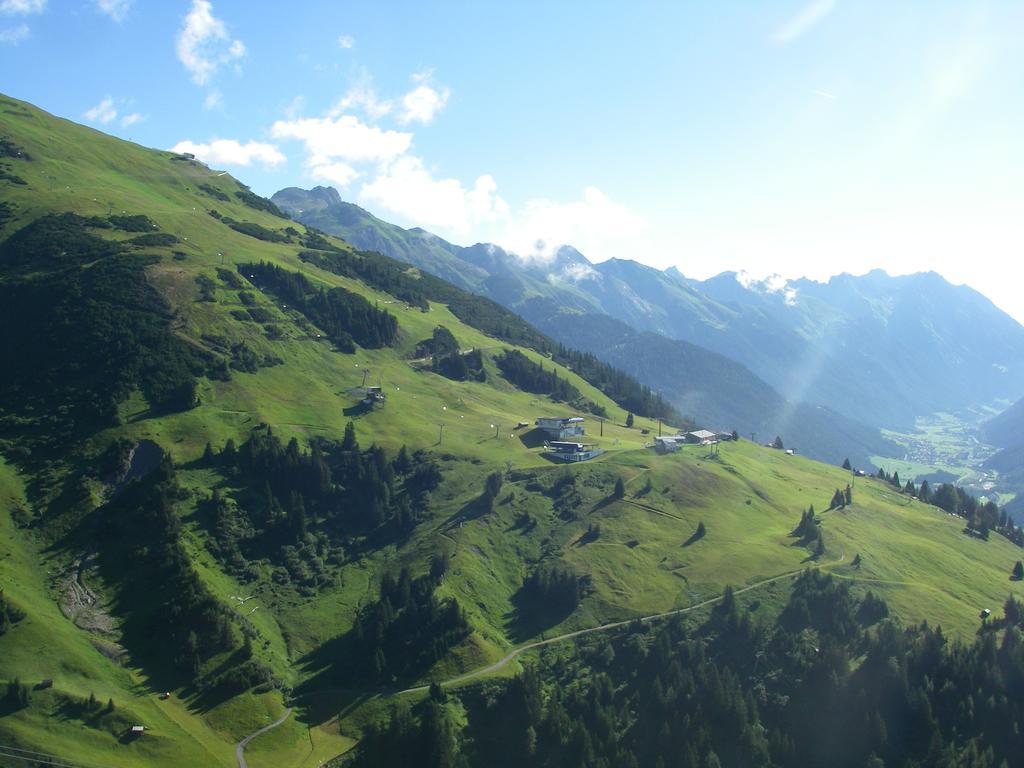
(374, 270)
(213, 192)
(253, 230)
(843, 497)
(432, 741)
(57, 241)
(831, 682)
(534, 377)
(79, 340)
(9, 613)
(981, 517)
(808, 530)
(408, 629)
(346, 317)
(418, 288)
(448, 360)
(297, 502)
(132, 223)
(257, 203)
(551, 588)
(172, 614)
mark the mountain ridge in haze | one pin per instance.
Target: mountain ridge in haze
(880, 349)
(706, 384)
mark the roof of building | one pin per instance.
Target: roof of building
(703, 434)
(562, 419)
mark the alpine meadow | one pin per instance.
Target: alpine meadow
(314, 451)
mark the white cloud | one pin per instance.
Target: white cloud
(346, 41)
(407, 188)
(773, 283)
(596, 225)
(345, 138)
(231, 152)
(214, 100)
(22, 7)
(341, 174)
(115, 9)
(422, 103)
(825, 94)
(14, 35)
(132, 119)
(362, 96)
(103, 113)
(805, 19)
(204, 43)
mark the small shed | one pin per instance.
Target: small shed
(668, 443)
(985, 613)
(700, 436)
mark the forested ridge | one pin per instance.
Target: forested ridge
(832, 682)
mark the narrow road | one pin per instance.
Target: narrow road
(240, 747)
(613, 625)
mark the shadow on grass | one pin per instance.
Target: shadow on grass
(694, 538)
(358, 409)
(530, 617)
(533, 438)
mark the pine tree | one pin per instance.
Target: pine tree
(620, 489)
(846, 465)
(1018, 571)
(629, 419)
(349, 442)
(924, 493)
(819, 547)
(778, 445)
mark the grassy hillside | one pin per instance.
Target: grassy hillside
(295, 598)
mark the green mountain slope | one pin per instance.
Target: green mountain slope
(879, 349)
(710, 387)
(268, 570)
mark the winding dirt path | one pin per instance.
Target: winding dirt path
(615, 625)
(240, 747)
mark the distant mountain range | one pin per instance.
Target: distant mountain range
(876, 349)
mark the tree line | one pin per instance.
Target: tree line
(346, 317)
(84, 330)
(832, 681)
(297, 503)
(981, 518)
(418, 288)
(407, 630)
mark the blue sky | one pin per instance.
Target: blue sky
(800, 137)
